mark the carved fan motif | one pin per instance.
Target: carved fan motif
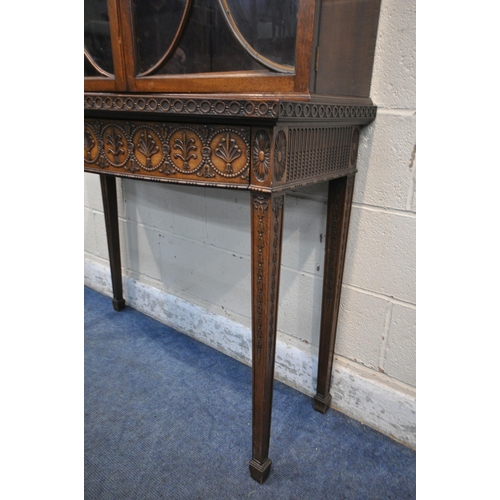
(228, 150)
(148, 148)
(229, 153)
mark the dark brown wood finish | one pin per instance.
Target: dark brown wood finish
(267, 231)
(170, 152)
(238, 82)
(346, 47)
(118, 81)
(110, 206)
(340, 64)
(339, 207)
(264, 131)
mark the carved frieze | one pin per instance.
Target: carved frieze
(291, 156)
(168, 150)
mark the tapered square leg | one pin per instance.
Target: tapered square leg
(109, 201)
(267, 229)
(339, 210)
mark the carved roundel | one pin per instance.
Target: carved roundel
(279, 155)
(90, 145)
(229, 153)
(354, 147)
(148, 148)
(261, 155)
(185, 150)
(115, 145)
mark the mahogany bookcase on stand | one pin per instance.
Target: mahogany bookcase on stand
(235, 94)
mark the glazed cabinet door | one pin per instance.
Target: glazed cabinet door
(103, 60)
(200, 45)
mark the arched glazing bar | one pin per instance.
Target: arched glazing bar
(189, 36)
(97, 39)
(279, 19)
(155, 22)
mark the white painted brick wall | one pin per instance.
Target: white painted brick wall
(194, 243)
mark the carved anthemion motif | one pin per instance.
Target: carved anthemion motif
(185, 149)
(261, 155)
(148, 148)
(90, 145)
(116, 146)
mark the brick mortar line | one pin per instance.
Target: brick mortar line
(318, 199)
(177, 235)
(305, 273)
(391, 211)
(385, 338)
(396, 111)
(378, 295)
(232, 253)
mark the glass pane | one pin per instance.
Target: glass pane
(202, 36)
(88, 69)
(97, 36)
(156, 25)
(268, 26)
(207, 44)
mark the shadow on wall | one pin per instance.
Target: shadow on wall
(190, 240)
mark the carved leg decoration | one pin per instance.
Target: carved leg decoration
(339, 210)
(267, 223)
(108, 188)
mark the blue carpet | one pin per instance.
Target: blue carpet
(169, 417)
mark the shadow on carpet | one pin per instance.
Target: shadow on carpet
(169, 417)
